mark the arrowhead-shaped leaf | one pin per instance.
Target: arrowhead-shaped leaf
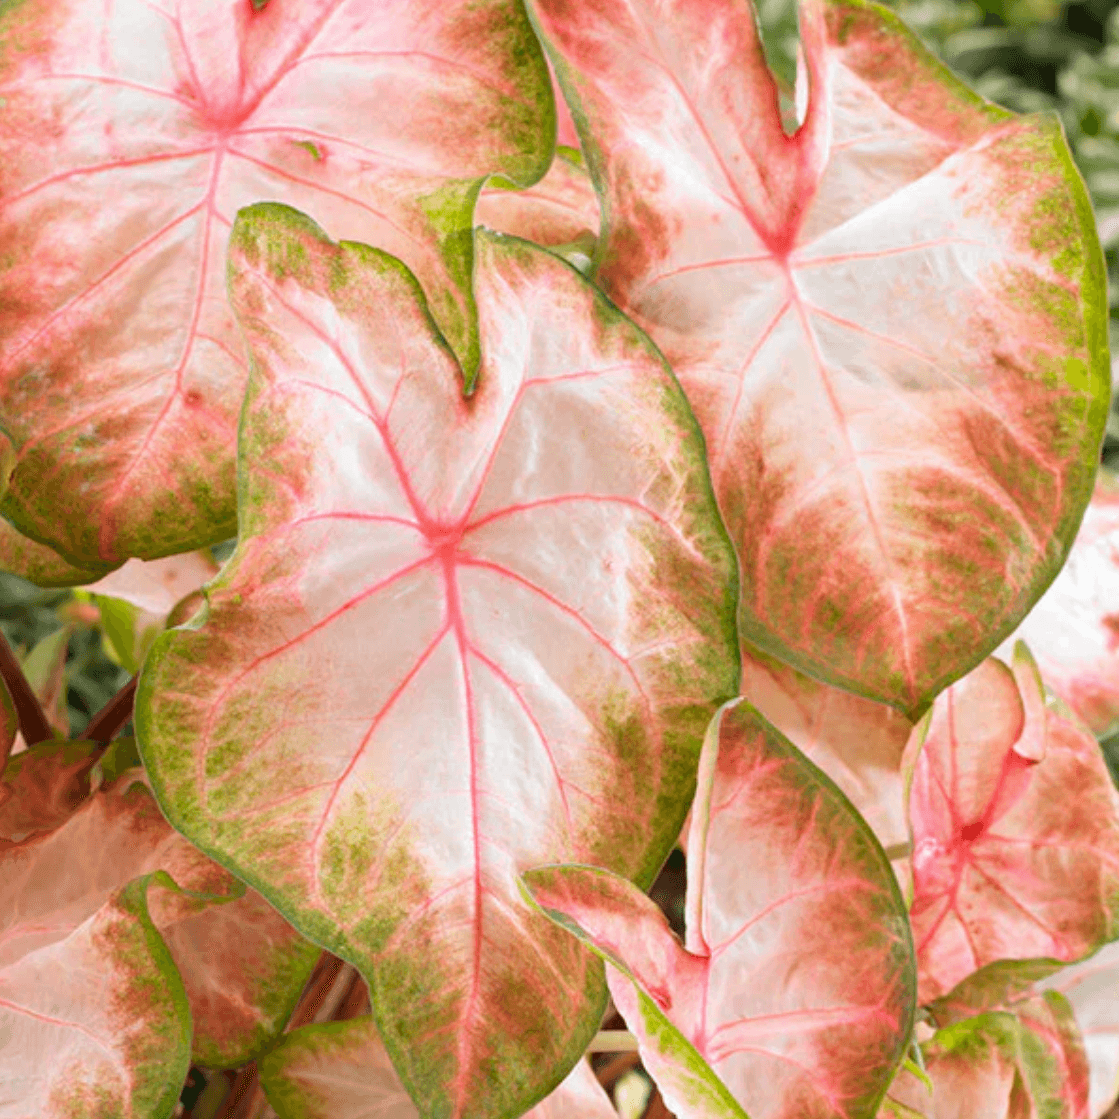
(794, 995)
(460, 636)
(1092, 989)
(1015, 826)
(998, 1065)
(142, 128)
(341, 1070)
(1074, 628)
(858, 743)
(891, 325)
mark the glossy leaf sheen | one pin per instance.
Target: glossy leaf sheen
(341, 1070)
(1012, 857)
(459, 637)
(796, 984)
(134, 131)
(891, 325)
(1074, 628)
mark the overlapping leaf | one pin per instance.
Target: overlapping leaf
(1092, 989)
(135, 131)
(242, 965)
(9, 726)
(1074, 629)
(794, 993)
(999, 1065)
(1015, 826)
(340, 1070)
(859, 744)
(891, 324)
(460, 636)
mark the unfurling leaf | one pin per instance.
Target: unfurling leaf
(1074, 628)
(1015, 826)
(142, 128)
(793, 995)
(460, 636)
(341, 1070)
(891, 324)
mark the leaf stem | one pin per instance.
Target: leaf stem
(33, 722)
(112, 716)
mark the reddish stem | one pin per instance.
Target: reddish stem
(112, 716)
(33, 722)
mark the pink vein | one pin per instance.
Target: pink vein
(562, 607)
(99, 79)
(18, 1009)
(999, 888)
(839, 258)
(876, 528)
(326, 137)
(561, 499)
(728, 262)
(790, 1022)
(515, 691)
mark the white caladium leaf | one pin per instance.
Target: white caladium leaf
(1015, 826)
(891, 324)
(1074, 628)
(560, 210)
(94, 1022)
(1092, 989)
(858, 743)
(460, 636)
(241, 964)
(793, 994)
(143, 127)
(341, 1070)
(998, 1065)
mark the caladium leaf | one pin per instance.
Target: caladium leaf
(794, 992)
(560, 210)
(94, 1022)
(459, 637)
(910, 287)
(9, 726)
(241, 964)
(42, 787)
(39, 564)
(1092, 989)
(341, 1070)
(122, 373)
(1015, 826)
(859, 744)
(1074, 628)
(998, 1065)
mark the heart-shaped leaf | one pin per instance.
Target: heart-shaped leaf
(999, 1065)
(859, 744)
(341, 1070)
(460, 636)
(794, 992)
(142, 128)
(891, 324)
(1015, 826)
(1092, 989)
(1074, 628)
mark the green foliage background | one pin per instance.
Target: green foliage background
(1028, 55)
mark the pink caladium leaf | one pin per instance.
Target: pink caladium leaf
(143, 127)
(1074, 628)
(242, 965)
(793, 994)
(1015, 826)
(41, 787)
(1029, 1064)
(341, 1070)
(1092, 989)
(858, 743)
(38, 564)
(891, 324)
(460, 636)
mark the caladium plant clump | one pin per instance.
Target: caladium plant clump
(616, 460)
